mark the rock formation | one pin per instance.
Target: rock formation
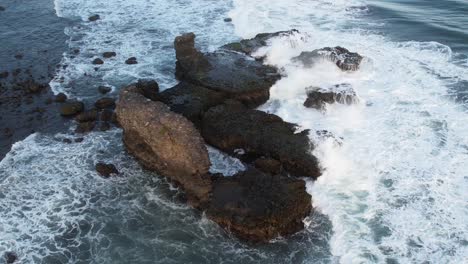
(343, 58)
(341, 93)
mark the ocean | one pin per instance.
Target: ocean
(394, 191)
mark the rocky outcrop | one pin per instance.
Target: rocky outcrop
(106, 170)
(237, 75)
(259, 207)
(165, 142)
(343, 58)
(191, 100)
(341, 93)
(231, 127)
(248, 46)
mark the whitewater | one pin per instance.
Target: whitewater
(395, 179)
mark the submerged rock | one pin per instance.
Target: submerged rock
(341, 93)
(231, 126)
(343, 58)
(106, 170)
(10, 257)
(87, 116)
(258, 207)
(105, 102)
(190, 100)
(104, 89)
(165, 142)
(61, 98)
(239, 76)
(248, 46)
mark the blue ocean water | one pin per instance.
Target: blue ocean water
(394, 192)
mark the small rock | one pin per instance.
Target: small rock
(106, 170)
(98, 61)
(131, 61)
(71, 108)
(94, 18)
(87, 116)
(228, 19)
(2, 8)
(79, 140)
(67, 140)
(61, 98)
(10, 257)
(109, 54)
(85, 127)
(105, 102)
(104, 89)
(19, 56)
(343, 58)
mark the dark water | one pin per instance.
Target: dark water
(54, 208)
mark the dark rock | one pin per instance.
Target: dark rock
(105, 102)
(85, 127)
(109, 54)
(4, 75)
(239, 76)
(32, 86)
(131, 61)
(231, 127)
(106, 170)
(323, 135)
(98, 61)
(104, 126)
(259, 207)
(341, 93)
(228, 19)
(67, 140)
(87, 116)
(61, 98)
(268, 165)
(71, 108)
(149, 88)
(190, 100)
(19, 56)
(2, 8)
(165, 142)
(10, 257)
(104, 89)
(343, 58)
(79, 140)
(106, 115)
(94, 18)
(248, 46)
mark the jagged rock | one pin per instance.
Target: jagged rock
(190, 100)
(87, 116)
(106, 170)
(238, 75)
(94, 18)
(259, 207)
(104, 89)
(231, 126)
(71, 108)
(341, 93)
(109, 54)
(61, 98)
(105, 102)
(343, 58)
(248, 46)
(149, 88)
(165, 142)
(268, 165)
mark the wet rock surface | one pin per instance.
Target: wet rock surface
(10, 257)
(231, 126)
(248, 46)
(106, 170)
(165, 142)
(71, 108)
(341, 93)
(238, 75)
(343, 58)
(259, 207)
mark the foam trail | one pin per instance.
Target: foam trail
(394, 190)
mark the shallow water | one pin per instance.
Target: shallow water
(393, 192)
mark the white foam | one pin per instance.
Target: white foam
(394, 189)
